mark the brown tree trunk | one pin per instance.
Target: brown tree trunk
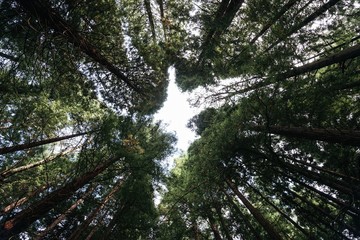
(213, 226)
(348, 53)
(195, 229)
(78, 231)
(65, 214)
(25, 146)
(295, 224)
(346, 137)
(242, 216)
(222, 222)
(21, 201)
(12, 171)
(257, 215)
(25, 218)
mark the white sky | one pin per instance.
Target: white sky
(175, 114)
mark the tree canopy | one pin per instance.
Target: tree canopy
(278, 148)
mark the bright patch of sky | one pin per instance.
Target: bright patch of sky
(175, 114)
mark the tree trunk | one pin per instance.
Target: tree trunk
(348, 53)
(306, 21)
(65, 214)
(295, 224)
(222, 20)
(25, 218)
(125, 205)
(213, 226)
(12, 171)
(339, 204)
(222, 222)
(323, 170)
(147, 5)
(49, 17)
(195, 229)
(25, 146)
(79, 230)
(333, 183)
(242, 216)
(257, 215)
(324, 215)
(282, 11)
(346, 137)
(21, 201)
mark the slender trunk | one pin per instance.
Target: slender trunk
(92, 232)
(282, 11)
(243, 217)
(12, 58)
(195, 229)
(314, 222)
(324, 170)
(25, 146)
(333, 183)
(348, 209)
(257, 215)
(12, 171)
(21, 201)
(222, 20)
(213, 226)
(147, 5)
(115, 220)
(25, 218)
(222, 222)
(79, 230)
(295, 224)
(65, 214)
(346, 137)
(325, 215)
(348, 53)
(50, 18)
(306, 21)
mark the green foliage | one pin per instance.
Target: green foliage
(273, 159)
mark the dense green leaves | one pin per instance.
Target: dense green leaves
(278, 150)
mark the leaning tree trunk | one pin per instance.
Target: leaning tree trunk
(25, 146)
(50, 18)
(289, 219)
(64, 215)
(222, 221)
(21, 201)
(266, 27)
(306, 21)
(257, 215)
(346, 137)
(213, 226)
(25, 218)
(222, 20)
(78, 231)
(7, 173)
(242, 216)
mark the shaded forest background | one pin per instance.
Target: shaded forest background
(278, 153)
